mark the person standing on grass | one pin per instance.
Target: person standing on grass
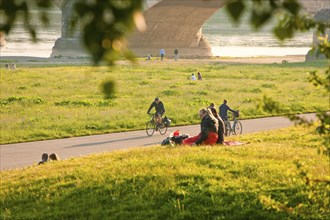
(209, 130)
(176, 54)
(162, 53)
(160, 109)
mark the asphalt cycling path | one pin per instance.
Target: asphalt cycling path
(21, 155)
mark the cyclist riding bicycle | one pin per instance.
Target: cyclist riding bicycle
(160, 109)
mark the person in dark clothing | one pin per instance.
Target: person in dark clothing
(199, 76)
(160, 109)
(44, 158)
(223, 110)
(211, 105)
(221, 126)
(176, 54)
(51, 157)
(209, 130)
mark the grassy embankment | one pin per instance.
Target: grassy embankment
(178, 182)
(39, 103)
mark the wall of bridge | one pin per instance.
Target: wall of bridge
(175, 24)
(170, 24)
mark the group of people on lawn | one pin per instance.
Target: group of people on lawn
(212, 124)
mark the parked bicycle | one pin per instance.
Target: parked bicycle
(237, 127)
(152, 125)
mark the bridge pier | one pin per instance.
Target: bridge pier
(69, 44)
(323, 16)
(175, 24)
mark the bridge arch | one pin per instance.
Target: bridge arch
(175, 24)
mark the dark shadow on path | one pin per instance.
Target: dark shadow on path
(108, 142)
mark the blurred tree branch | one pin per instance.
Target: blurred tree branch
(290, 19)
(104, 23)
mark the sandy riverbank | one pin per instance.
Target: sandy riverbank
(38, 61)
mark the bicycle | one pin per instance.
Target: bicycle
(237, 127)
(152, 126)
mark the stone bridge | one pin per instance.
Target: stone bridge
(170, 24)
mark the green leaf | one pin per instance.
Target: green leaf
(82, 9)
(274, 4)
(44, 3)
(269, 105)
(283, 33)
(235, 9)
(108, 88)
(292, 6)
(259, 19)
(44, 18)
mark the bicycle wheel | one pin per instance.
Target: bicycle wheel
(162, 128)
(238, 128)
(150, 128)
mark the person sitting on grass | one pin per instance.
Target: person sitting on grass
(209, 130)
(51, 157)
(199, 76)
(221, 125)
(44, 158)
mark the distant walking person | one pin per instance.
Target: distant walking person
(162, 53)
(176, 54)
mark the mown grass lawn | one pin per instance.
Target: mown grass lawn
(39, 103)
(259, 180)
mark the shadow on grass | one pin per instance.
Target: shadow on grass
(142, 197)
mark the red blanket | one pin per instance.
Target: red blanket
(233, 143)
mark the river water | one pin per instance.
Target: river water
(231, 40)
(225, 38)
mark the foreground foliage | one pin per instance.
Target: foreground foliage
(245, 182)
(56, 102)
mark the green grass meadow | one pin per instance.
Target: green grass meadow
(47, 102)
(259, 180)
(278, 174)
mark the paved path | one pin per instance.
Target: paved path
(24, 154)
